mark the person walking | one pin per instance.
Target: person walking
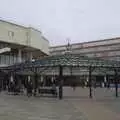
(29, 89)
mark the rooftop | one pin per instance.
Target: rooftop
(108, 39)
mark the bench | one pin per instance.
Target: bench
(47, 90)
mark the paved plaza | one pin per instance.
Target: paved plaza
(75, 106)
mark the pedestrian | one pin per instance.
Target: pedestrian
(29, 89)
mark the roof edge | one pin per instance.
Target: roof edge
(107, 39)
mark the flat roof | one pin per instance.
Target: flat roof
(19, 25)
(102, 40)
(24, 26)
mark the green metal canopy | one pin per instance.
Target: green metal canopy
(61, 62)
(75, 60)
(66, 60)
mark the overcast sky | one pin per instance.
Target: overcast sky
(78, 20)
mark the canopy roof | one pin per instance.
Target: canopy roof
(75, 60)
(66, 60)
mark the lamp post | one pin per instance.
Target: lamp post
(60, 82)
(90, 82)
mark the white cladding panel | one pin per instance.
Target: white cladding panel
(104, 54)
(102, 42)
(38, 41)
(98, 49)
(16, 34)
(93, 49)
(111, 44)
(107, 49)
(12, 33)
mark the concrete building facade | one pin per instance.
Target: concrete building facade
(106, 49)
(19, 43)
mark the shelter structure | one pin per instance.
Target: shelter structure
(68, 64)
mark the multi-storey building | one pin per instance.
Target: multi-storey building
(107, 49)
(20, 43)
(104, 49)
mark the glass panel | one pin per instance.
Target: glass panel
(12, 59)
(0, 59)
(6, 59)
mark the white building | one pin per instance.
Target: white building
(106, 49)
(19, 43)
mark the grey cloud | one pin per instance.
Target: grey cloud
(80, 20)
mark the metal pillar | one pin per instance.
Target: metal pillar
(41, 80)
(108, 82)
(90, 82)
(116, 83)
(31, 56)
(19, 55)
(35, 84)
(35, 81)
(105, 80)
(11, 79)
(60, 82)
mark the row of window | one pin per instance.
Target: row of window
(11, 35)
(9, 59)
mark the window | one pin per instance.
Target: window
(0, 59)
(10, 34)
